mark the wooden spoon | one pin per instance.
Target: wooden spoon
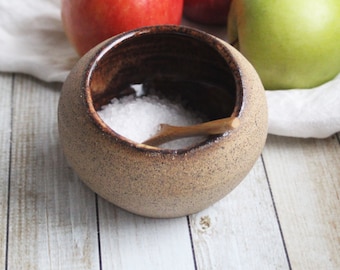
(169, 133)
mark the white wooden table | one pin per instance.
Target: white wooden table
(284, 215)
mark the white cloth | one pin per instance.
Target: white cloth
(32, 41)
(305, 112)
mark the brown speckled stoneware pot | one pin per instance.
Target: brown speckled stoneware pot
(204, 71)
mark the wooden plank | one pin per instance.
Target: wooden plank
(305, 178)
(133, 242)
(241, 230)
(52, 214)
(5, 137)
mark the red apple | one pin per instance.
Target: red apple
(207, 11)
(89, 22)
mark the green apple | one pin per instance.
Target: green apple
(291, 43)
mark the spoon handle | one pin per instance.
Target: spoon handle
(169, 133)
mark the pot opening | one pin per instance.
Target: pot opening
(178, 64)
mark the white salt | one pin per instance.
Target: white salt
(138, 118)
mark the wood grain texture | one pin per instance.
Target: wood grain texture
(52, 222)
(53, 219)
(240, 231)
(5, 144)
(133, 242)
(305, 178)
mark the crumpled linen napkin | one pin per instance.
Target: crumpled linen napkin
(305, 112)
(32, 41)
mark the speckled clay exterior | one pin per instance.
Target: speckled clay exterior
(154, 182)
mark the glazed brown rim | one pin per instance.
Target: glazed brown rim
(196, 34)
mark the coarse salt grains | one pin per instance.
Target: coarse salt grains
(138, 118)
